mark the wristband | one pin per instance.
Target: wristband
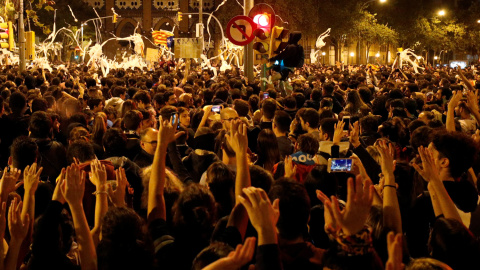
(392, 186)
(99, 192)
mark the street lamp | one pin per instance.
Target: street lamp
(442, 12)
(377, 55)
(478, 21)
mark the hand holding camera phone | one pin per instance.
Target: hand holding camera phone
(216, 108)
(175, 120)
(339, 165)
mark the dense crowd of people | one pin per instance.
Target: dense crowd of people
(173, 168)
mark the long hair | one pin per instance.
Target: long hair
(267, 148)
(99, 128)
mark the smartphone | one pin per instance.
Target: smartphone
(175, 120)
(216, 108)
(346, 120)
(339, 165)
(266, 95)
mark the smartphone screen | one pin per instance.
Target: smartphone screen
(175, 120)
(340, 164)
(216, 108)
(266, 95)
(346, 120)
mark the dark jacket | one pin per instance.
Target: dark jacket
(53, 158)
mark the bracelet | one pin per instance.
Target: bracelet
(395, 187)
(99, 192)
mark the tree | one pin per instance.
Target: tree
(371, 32)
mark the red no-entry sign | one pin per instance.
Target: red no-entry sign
(240, 30)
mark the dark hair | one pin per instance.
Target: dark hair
(40, 126)
(132, 120)
(23, 152)
(452, 243)
(269, 106)
(242, 107)
(125, 243)
(114, 141)
(210, 254)
(81, 150)
(17, 102)
(221, 182)
(459, 148)
(308, 144)
(261, 178)
(422, 136)
(290, 102)
(311, 117)
(369, 124)
(39, 104)
(194, 213)
(267, 149)
(282, 121)
(294, 207)
(327, 125)
(329, 88)
(142, 96)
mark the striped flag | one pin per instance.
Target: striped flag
(162, 37)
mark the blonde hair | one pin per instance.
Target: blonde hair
(172, 184)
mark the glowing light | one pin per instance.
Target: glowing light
(262, 20)
(352, 54)
(383, 1)
(442, 12)
(377, 55)
(436, 57)
(323, 53)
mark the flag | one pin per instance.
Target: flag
(162, 37)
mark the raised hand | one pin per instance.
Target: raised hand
(98, 174)
(395, 256)
(456, 97)
(355, 134)
(166, 132)
(472, 101)
(359, 201)
(118, 195)
(337, 135)
(57, 193)
(74, 185)
(237, 138)
(387, 154)
(9, 181)
(429, 170)
(236, 259)
(290, 168)
(18, 227)
(31, 177)
(263, 215)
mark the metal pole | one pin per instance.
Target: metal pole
(248, 63)
(200, 12)
(21, 39)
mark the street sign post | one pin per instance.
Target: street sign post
(240, 30)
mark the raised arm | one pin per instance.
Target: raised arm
(31, 178)
(73, 189)
(156, 199)
(472, 104)
(391, 209)
(429, 172)
(18, 230)
(9, 182)
(98, 177)
(238, 140)
(450, 123)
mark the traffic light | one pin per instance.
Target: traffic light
(179, 16)
(30, 45)
(115, 18)
(278, 41)
(261, 43)
(7, 35)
